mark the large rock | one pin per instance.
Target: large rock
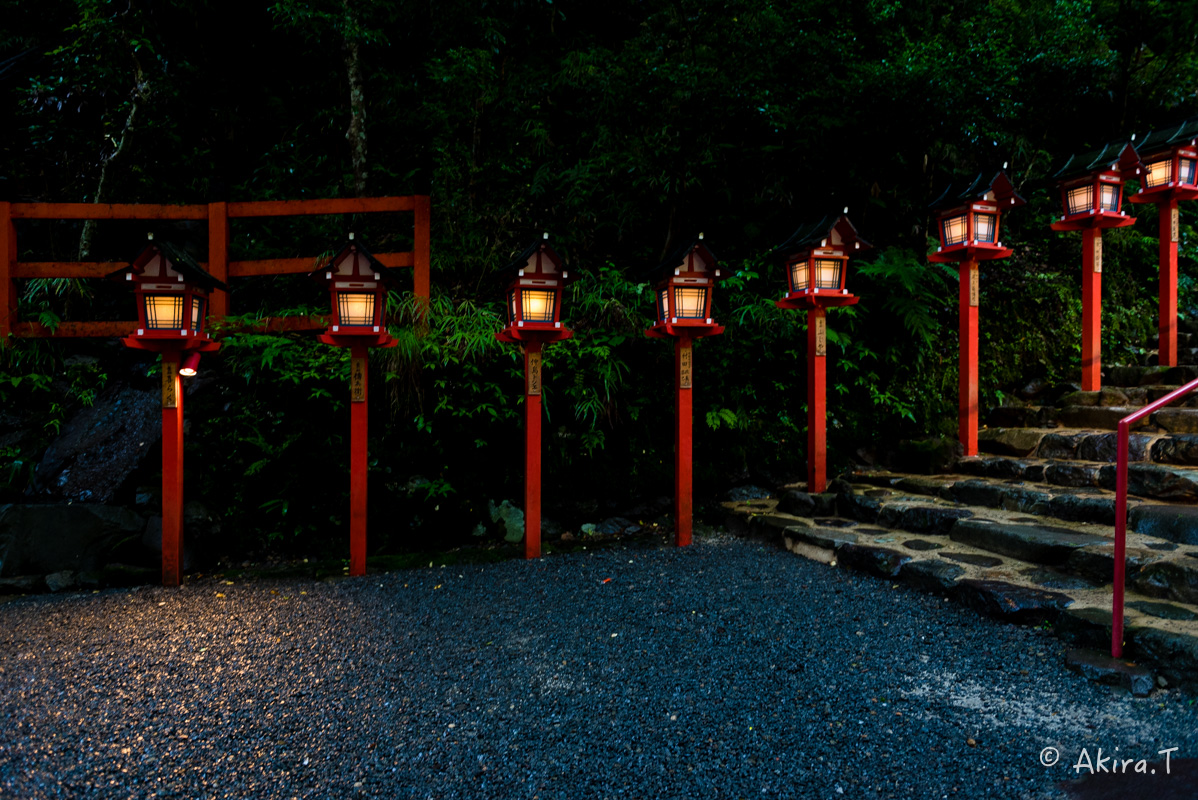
(1174, 654)
(931, 576)
(1173, 522)
(1181, 449)
(100, 446)
(1010, 602)
(1154, 480)
(1102, 668)
(1065, 473)
(1009, 441)
(1105, 447)
(44, 539)
(1060, 445)
(1177, 420)
(1169, 578)
(1083, 508)
(1035, 543)
(880, 561)
(921, 518)
(1100, 417)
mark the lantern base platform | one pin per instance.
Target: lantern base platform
(1105, 220)
(198, 344)
(803, 300)
(513, 335)
(973, 252)
(664, 330)
(359, 340)
(1164, 194)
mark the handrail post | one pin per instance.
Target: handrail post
(1121, 467)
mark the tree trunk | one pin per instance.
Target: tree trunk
(140, 93)
(357, 101)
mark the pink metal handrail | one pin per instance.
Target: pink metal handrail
(1121, 510)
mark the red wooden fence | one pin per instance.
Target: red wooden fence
(218, 217)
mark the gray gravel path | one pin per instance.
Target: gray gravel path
(727, 669)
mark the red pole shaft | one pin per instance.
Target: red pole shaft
(218, 255)
(1120, 540)
(817, 451)
(683, 361)
(1167, 353)
(8, 257)
(967, 426)
(358, 406)
(172, 470)
(532, 450)
(1092, 309)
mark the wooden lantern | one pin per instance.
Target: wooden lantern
(968, 222)
(357, 284)
(171, 290)
(534, 295)
(1091, 187)
(683, 285)
(816, 256)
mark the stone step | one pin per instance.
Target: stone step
(1171, 522)
(1147, 481)
(1071, 444)
(1002, 564)
(1186, 356)
(1130, 376)
(1184, 339)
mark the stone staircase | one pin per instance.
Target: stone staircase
(1024, 532)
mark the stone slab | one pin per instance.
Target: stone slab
(1080, 508)
(921, 518)
(922, 545)
(1086, 626)
(931, 576)
(1101, 668)
(821, 537)
(880, 561)
(1171, 653)
(1176, 523)
(974, 559)
(1105, 447)
(1163, 610)
(858, 506)
(1177, 420)
(1066, 473)
(1155, 481)
(1012, 603)
(1037, 544)
(1173, 579)
(1060, 445)
(1009, 441)
(1179, 449)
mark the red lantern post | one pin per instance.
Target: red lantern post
(816, 256)
(968, 224)
(172, 307)
(683, 286)
(357, 284)
(534, 317)
(1168, 174)
(1091, 191)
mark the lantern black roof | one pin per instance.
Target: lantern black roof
(1169, 137)
(678, 255)
(1119, 156)
(520, 260)
(181, 262)
(1000, 185)
(386, 273)
(813, 234)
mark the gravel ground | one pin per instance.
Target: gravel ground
(727, 669)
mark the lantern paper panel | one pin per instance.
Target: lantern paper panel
(984, 227)
(800, 276)
(355, 308)
(1081, 199)
(690, 302)
(164, 311)
(537, 305)
(827, 273)
(1109, 197)
(197, 312)
(955, 230)
(1158, 173)
(1186, 169)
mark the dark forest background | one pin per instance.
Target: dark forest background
(621, 128)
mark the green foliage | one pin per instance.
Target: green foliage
(623, 128)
